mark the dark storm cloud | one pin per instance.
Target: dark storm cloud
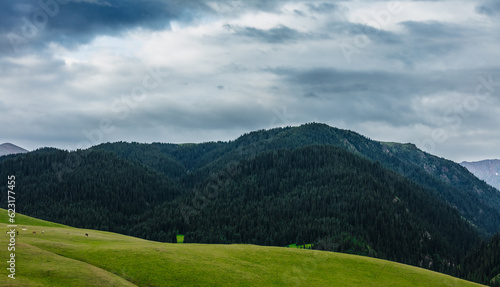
(75, 22)
(78, 22)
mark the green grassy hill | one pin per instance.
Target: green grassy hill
(64, 256)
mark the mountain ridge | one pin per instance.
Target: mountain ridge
(318, 194)
(443, 178)
(309, 184)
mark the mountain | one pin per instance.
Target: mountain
(64, 256)
(311, 184)
(476, 201)
(318, 194)
(8, 148)
(487, 170)
(87, 188)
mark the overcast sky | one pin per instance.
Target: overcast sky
(78, 73)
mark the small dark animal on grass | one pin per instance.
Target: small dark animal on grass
(34, 232)
(86, 234)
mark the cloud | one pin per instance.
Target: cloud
(28, 25)
(430, 41)
(236, 66)
(310, 95)
(411, 98)
(433, 29)
(323, 7)
(79, 22)
(356, 96)
(280, 34)
(355, 29)
(489, 8)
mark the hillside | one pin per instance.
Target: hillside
(64, 256)
(474, 199)
(317, 194)
(86, 189)
(487, 170)
(312, 184)
(483, 263)
(326, 195)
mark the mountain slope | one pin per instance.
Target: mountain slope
(326, 195)
(86, 189)
(308, 184)
(487, 170)
(8, 148)
(483, 263)
(63, 256)
(477, 202)
(316, 194)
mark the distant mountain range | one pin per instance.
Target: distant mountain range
(8, 148)
(487, 170)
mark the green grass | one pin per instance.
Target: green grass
(305, 246)
(26, 220)
(180, 238)
(64, 256)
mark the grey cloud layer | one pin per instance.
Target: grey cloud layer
(490, 8)
(408, 76)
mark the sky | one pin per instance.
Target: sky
(76, 73)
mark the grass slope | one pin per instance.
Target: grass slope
(305, 246)
(64, 256)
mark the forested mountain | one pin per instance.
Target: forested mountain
(328, 196)
(309, 184)
(92, 189)
(475, 200)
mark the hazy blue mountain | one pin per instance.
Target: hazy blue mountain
(8, 148)
(487, 170)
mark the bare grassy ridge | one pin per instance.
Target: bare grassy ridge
(64, 256)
